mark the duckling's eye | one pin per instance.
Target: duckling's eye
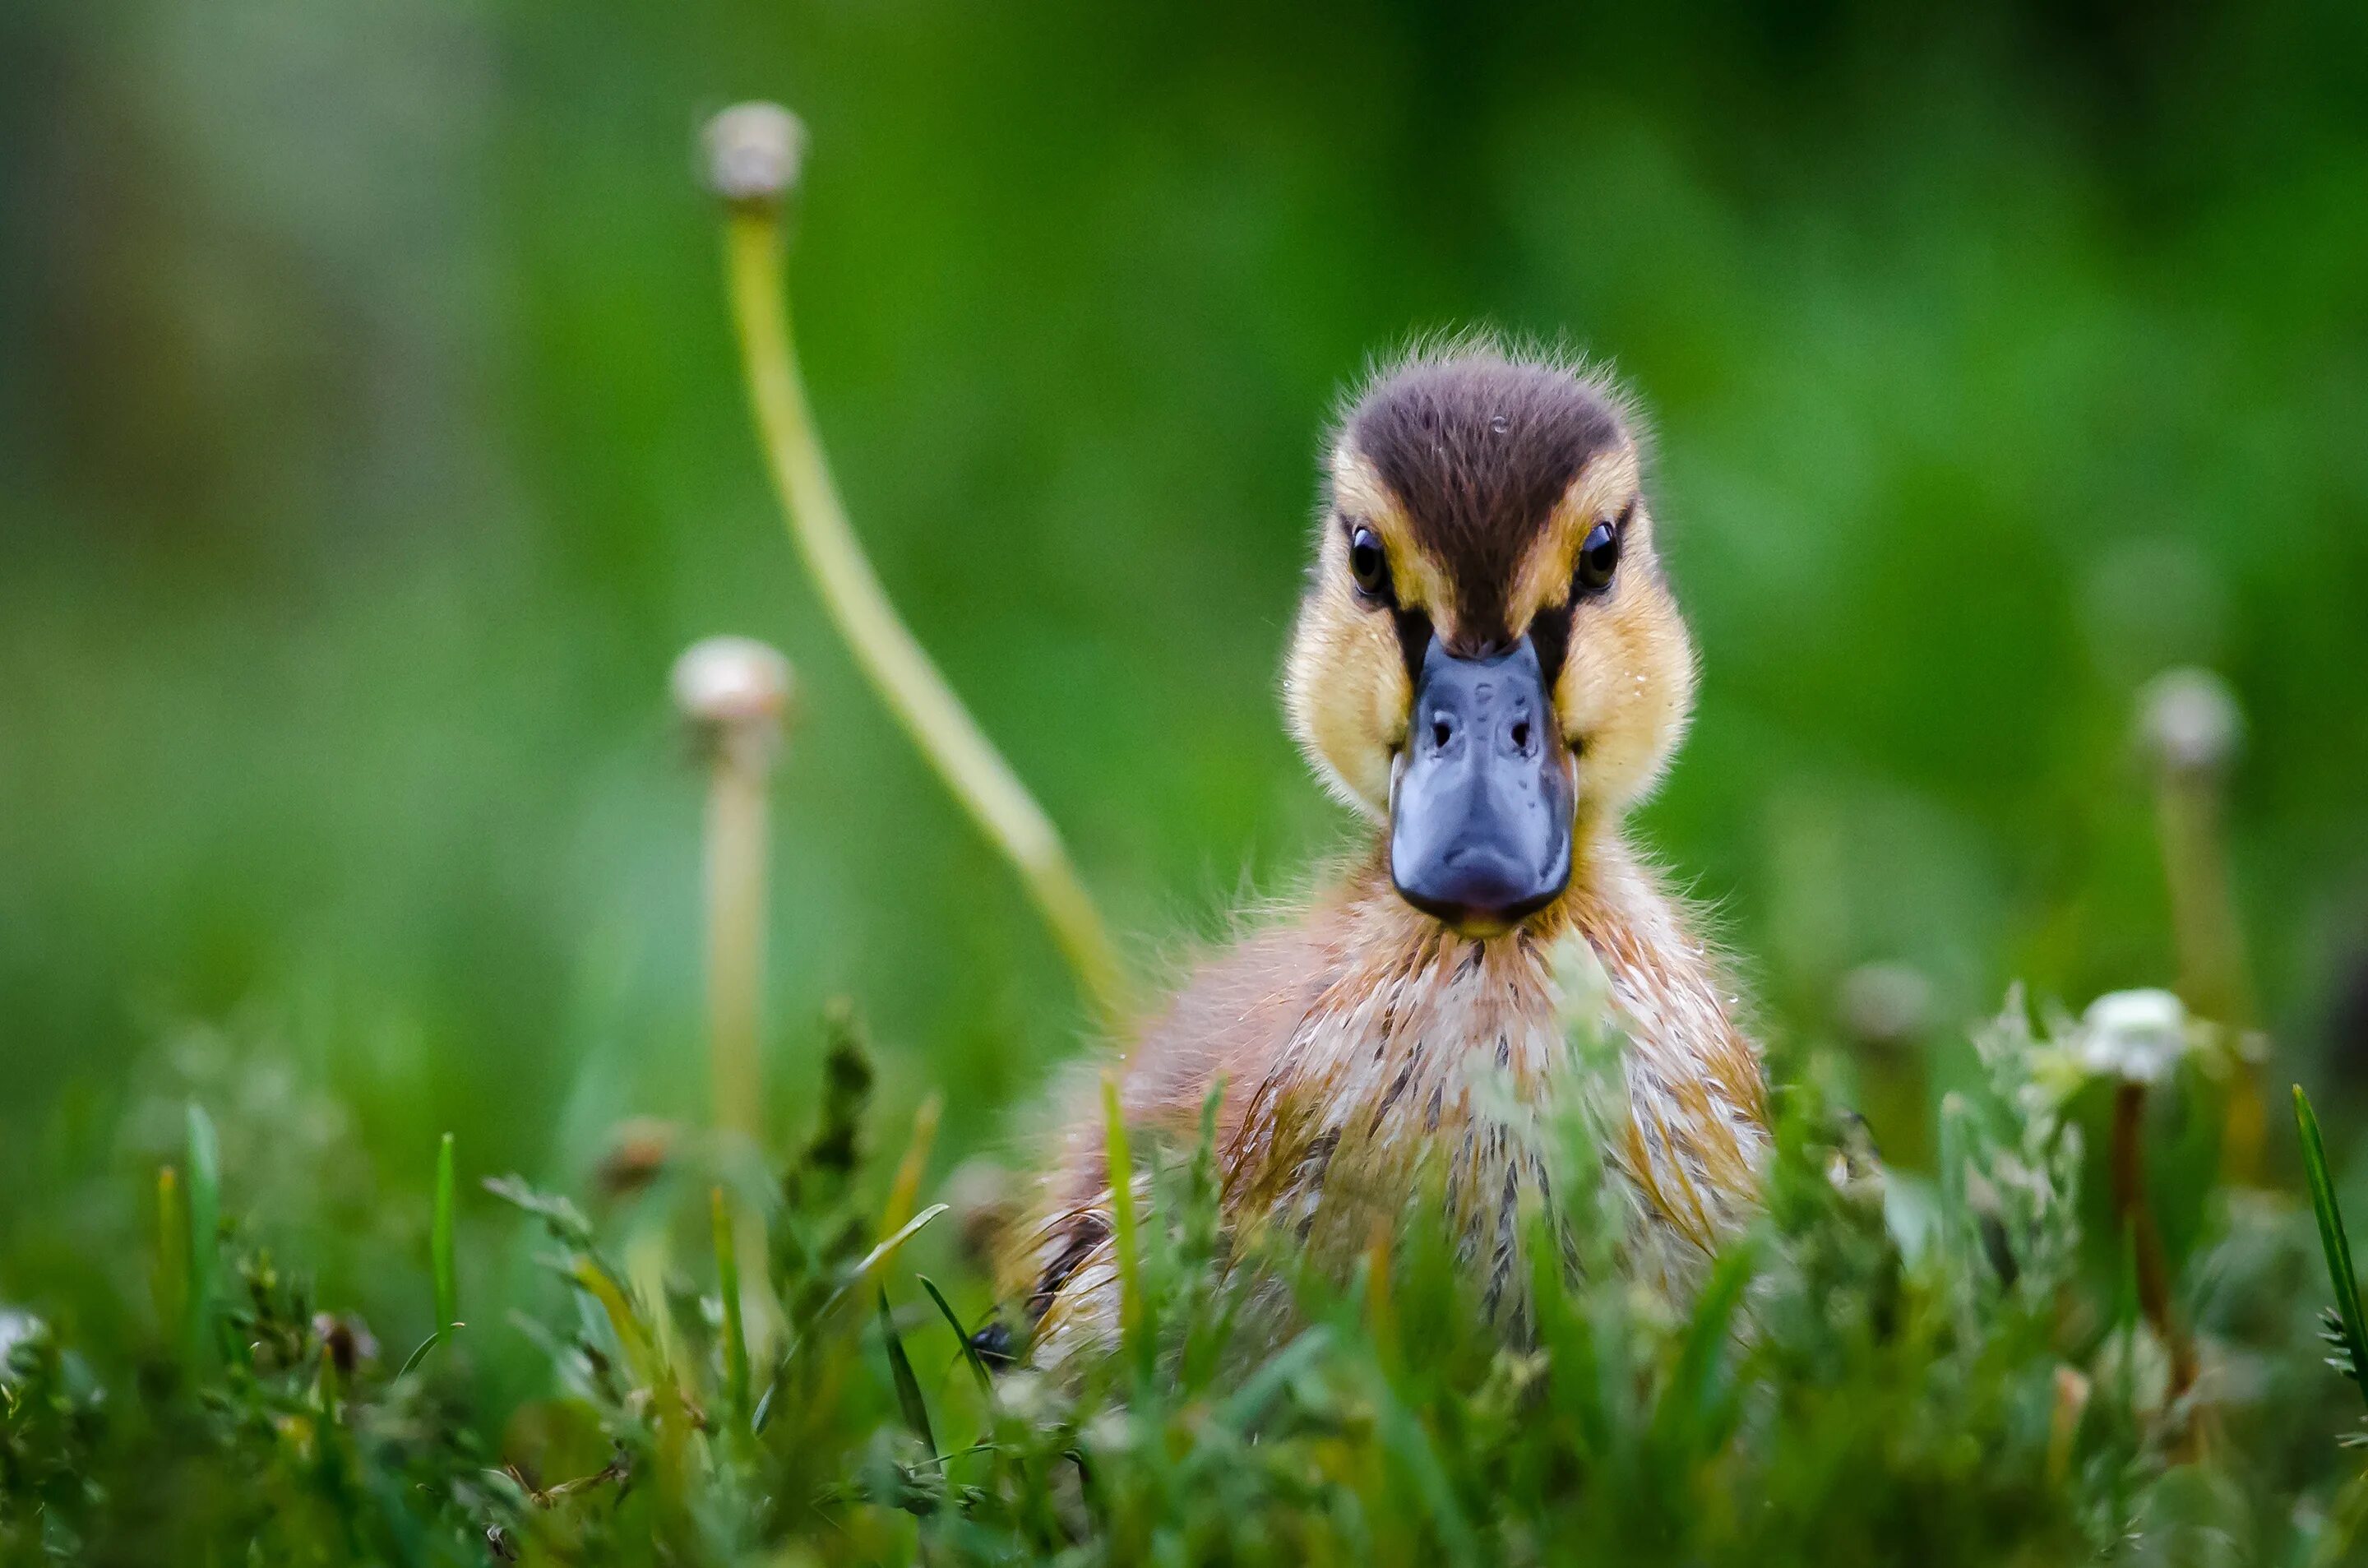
(1368, 564)
(1598, 557)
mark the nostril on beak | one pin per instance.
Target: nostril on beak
(1441, 731)
(1521, 736)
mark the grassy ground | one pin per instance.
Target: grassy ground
(1883, 1370)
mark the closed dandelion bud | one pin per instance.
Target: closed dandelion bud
(736, 692)
(2190, 722)
(1885, 1004)
(754, 152)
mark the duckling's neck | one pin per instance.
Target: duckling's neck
(1422, 1043)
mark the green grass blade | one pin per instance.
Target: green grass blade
(860, 1275)
(205, 1225)
(887, 1249)
(1408, 1444)
(1242, 1408)
(961, 1338)
(1120, 1163)
(418, 1353)
(2331, 1239)
(1689, 1418)
(172, 1251)
(440, 1244)
(908, 1387)
(735, 1334)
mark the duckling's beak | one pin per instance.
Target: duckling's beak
(1480, 798)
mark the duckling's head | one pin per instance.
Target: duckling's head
(1487, 659)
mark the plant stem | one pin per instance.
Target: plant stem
(2210, 944)
(915, 691)
(2195, 724)
(736, 1339)
(737, 835)
(2202, 899)
(440, 1245)
(2137, 1216)
(172, 1253)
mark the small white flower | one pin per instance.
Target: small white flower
(2137, 1036)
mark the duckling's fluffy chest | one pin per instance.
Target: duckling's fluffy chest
(1365, 1057)
(1442, 1069)
(1435, 1059)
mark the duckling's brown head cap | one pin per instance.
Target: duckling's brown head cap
(1477, 450)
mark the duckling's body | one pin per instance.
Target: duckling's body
(1496, 696)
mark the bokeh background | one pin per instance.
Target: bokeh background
(373, 441)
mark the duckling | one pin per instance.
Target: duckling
(1488, 666)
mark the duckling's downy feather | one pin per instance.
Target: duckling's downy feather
(1363, 1039)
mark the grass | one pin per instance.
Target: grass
(1880, 1370)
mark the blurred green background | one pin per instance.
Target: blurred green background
(374, 441)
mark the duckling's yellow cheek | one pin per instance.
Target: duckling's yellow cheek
(1625, 689)
(1347, 694)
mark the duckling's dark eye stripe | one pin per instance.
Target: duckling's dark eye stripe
(1414, 641)
(1550, 634)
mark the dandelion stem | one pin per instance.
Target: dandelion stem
(735, 692)
(2202, 901)
(440, 1245)
(2194, 726)
(2137, 1216)
(914, 691)
(737, 839)
(2212, 948)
